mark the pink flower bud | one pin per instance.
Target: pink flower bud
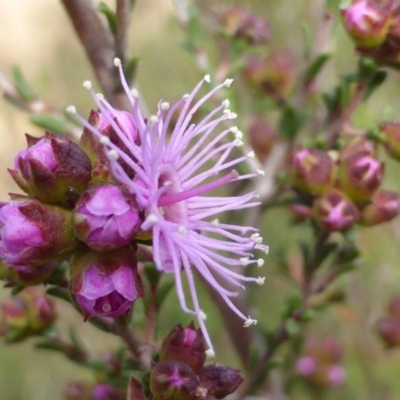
(384, 207)
(242, 24)
(367, 22)
(106, 217)
(312, 171)
(262, 137)
(172, 380)
(186, 345)
(32, 233)
(108, 125)
(391, 132)
(394, 307)
(306, 366)
(27, 275)
(388, 329)
(105, 284)
(104, 391)
(53, 169)
(360, 174)
(336, 375)
(77, 391)
(274, 75)
(219, 380)
(334, 211)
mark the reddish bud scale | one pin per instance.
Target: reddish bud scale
(388, 329)
(391, 132)
(262, 137)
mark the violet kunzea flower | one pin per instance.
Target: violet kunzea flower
(32, 233)
(106, 218)
(53, 169)
(107, 283)
(172, 175)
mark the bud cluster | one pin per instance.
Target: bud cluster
(181, 372)
(320, 365)
(388, 327)
(343, 188)
(74, 210)
(374, 26)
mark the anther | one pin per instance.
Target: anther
(226, 103)
(260, 172)
(87, 85)
(260, 280)
(71, 110)
(113, 154)
(203, 315)
(251, 154)
(260, 262)
(104, 140)
(215, 222)
(207, 78)
(164, 105)
(153, 119)
(117, 62)
(228, 82)
(210, 353)
(135, 93)
(100, 96)
(244, 261)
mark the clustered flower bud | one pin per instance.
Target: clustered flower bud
(25, 314)
(262, 137)
(320, 363)
(388, 327)
(181, 374)
(86, 391)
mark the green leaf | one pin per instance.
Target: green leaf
(49, 122)
(323, 252)
(292, 326)
(23, 88)
(110, 15)
(100, 324)
(290, 123)
(60, 293)
(75, 340)
(130, 68)
(293, 303)
(152, 273)
(315, 67)
(376, 81)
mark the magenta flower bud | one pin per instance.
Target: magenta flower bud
(107, 125)
(336, 375)
(77, 391)
(388, 329)
(391, 132)
(367, 22)
(262, 137)
(104, 391)
(186, 345)
(32, 233)
(135, 389)
(219, 380)
(106, 217)
(302, 212)
(312, 171)
(105, 284)
(384, 207)
(173, 380)
(27, 275)
(306, 366)
(248, 26)
(360, 175)
(53, 169)
(334, 211)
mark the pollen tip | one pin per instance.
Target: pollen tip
(244, 261)
(210, 353)
(203, 315)
(152, 218)
(228, 82)
(260, 262)
(260, 172)
(226, 103)
(182, 230)
(215, 222)
(207, 78)
(117, 62)
(153, 119)
(104, 140)
(185, 96)
(135, 93)
(239, 135)
(266, 250)
(251, 154)
(164, 105)
(260, 280)
(234, 129)
(238, 143)
(71, 110)
(113, 154)
(249, 322)
(87, 85)
(167, 183)
(232, 115)
(100, 96)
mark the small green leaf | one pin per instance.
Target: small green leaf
(23, 88)
(60, 293)
(49, 122)
(292, 327)
(293, 303)
(290, 123)
(323, 252)
(110, 15)
(130, 68)
(75, 340)
(315, 67)
(376, 81)
(163, 292)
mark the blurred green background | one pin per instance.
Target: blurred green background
(37, 36)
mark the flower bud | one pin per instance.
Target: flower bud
(106, 217)
(105, 284)
(239, 23)
(334, 211)
(32, 233)
(186, 345)
(104, 391)
(312, 171)
(173, 380)
(394, 307)
(219, 380)
(124, 121)
(53, 169)
(26, 275)
(336, 375)
(360, 174)
(77, 391)
(384, 207)
(391, 132)
(367, 22)
(306, 366)
(388, 329)
(262, 137)
(274, 75)
(301, 212)
(27, 313)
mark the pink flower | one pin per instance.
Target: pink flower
(172, 175)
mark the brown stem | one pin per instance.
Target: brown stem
(151, 316)
(124, 331)
(121, 37)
